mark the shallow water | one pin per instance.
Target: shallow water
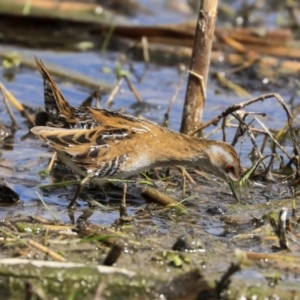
(212, 216)
(157, 89)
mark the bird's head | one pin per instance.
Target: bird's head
(224, 162)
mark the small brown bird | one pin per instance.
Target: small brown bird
(99, 144)
(125, 145)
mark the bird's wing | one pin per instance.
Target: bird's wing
(100, 151)
(120, 120)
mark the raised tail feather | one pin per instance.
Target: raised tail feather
(55, 102)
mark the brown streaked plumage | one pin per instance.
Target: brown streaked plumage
(123, 147)
(58, 112)
(99, 144)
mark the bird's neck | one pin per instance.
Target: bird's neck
(183, 150)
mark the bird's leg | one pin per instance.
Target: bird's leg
(44, 173)
(80, 186)
(123, 202)
(183, 182)
(51, 163)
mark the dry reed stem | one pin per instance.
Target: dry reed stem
(117, 88)
(235, 107)
(187, 175)
(175, 94)
(145, 46)
(133, 90)
(47, 251)
(14, 123)
(17, 104)
(52, 161)
(123, 201)
(195, 92)
(273, 139)
(114, 92)
(154, 195)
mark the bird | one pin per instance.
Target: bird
(101, 144)
(125, 145)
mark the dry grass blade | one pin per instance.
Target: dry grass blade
(227, 123)
(229, 110)
(133, 89)
(241, 116)
(226, 39)
(290, 124)
(145, 46)
(252, 169)
(114, 91)
(251, 135)
(51, 163)
(187, 175)
(14, 122)
(47, 251)
(253, 129)
(232, 86)
(46, 206)
(121, 77)
(269, 257)
(173, 99)
(273, 139)
(58, 184)
(283, 130)
(7, 233)
(17, 104)
(63, 265)
(108, 38)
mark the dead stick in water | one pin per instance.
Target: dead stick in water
(154, 195)
(17, 104)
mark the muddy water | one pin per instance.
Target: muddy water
(156, 89)
(213, 220)
(214, 223)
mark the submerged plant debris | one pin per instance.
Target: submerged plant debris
(169, 233)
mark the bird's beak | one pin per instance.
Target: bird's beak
(235, 190)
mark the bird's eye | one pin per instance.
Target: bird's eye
(229, 169)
